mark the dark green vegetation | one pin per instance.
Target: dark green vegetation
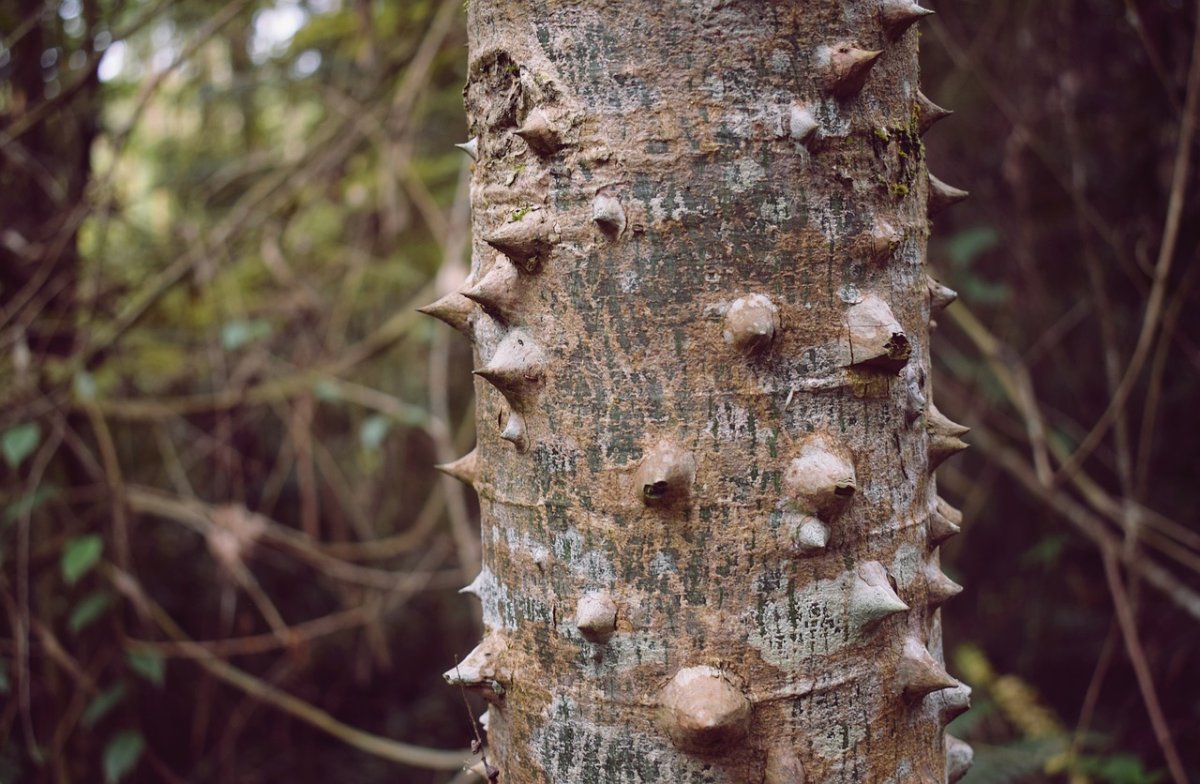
(206, 309)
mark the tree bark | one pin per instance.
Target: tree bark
(700, 311)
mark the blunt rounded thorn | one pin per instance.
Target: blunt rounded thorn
(883, 240)
(876, 338)
(665, 477)
(453, 309)
(921, 674)
(517, 369)
(596, 616)
(928, 113)
(940, 296)
(470, 147)
(609, 215)
(465, 469)
(820, 480)
(514, 431)
(783, 766)
(483, 669)
(872, 597)
(524, 240)
(499, 291)
(540, 134)
(802, 124)
(953, 702)
(702, 711)
(899, 15)
(939, 588)
(959, 756)
(806, 534)
(846, 68)
(751, 323)
(942, 196)
(944, 441)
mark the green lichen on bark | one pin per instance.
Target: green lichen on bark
(702, 402)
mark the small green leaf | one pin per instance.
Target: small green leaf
(101, 704)
(149, 664)
(374, 429)
(79, 556)
(88, 610)
(28, 503)
(19, 441)
(236, 334)
(121, 755)
(85, 386)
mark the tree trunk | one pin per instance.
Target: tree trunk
(700, 311)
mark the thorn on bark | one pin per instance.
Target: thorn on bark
(802, 123)
(751, 323)
(872, 597)
(783, 766)
(883, 240)
(596, 616)
(942, 196)
(944, 441)
(806, 533)
(876, 338)
(944, 522)
(470, 147)
(483, 669)
(939, 588)
(665, 477)
(940, 296)
(499, 291)
(525, 240)
(465, 469)
(453, 309)
(928, 113)
(608, 215)
(702, 711)
(514, 431)
(921, 674)
(540, 133)
(820, 480)
(517, 369)
(899, 15)
(845, 68)
(959, 756)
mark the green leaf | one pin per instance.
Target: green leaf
(79, 556)
(121, 755)
(963, 247)
(88, 610)
(149, 664)
(101, 704)
(373, 430)
(236, 334)
(28, 503)
(85, 386)
(19, 441)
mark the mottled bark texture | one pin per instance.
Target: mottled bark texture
(700, 311)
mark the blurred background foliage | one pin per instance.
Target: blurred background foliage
(225, 554)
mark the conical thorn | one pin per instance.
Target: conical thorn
(517, 369)
(453, 309)
(514, 432)
(940, 296)
(802, 123)
(596, 616)
(498, 291)
(874, 337)
(470, 147)
(921, 674)
(899, 15)
(483, 669)
(928, 113)
(944, 441)
(525, 240)
(846, 68)
(939, 588)
(821, 480)
(465, 469)
(872, 597)
(540, 134)
(806, 533)
(942, 196)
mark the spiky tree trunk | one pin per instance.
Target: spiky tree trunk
(700, 311)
